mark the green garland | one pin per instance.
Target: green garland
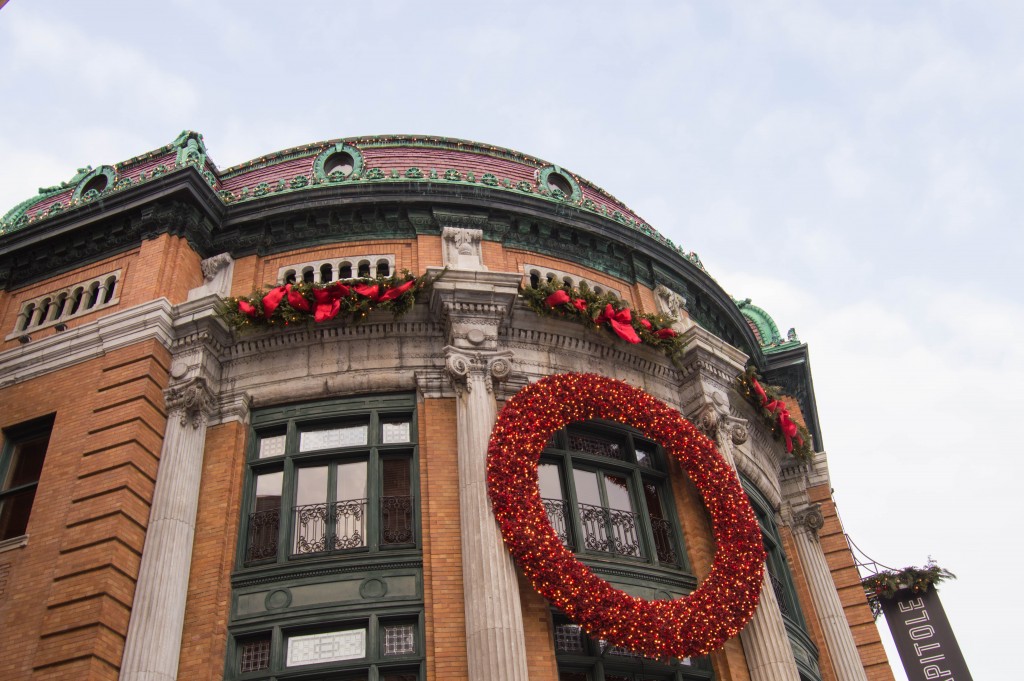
(775, 419)
(887, 583)
(585, 307)
(247, 313)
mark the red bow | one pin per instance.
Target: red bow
(247, 309)
(645, 323)
(621, 323)
(557, 298)
(297, 300)
(272, 300)
(579, 304)
(395, 293)
(665, 333)
(328, 301)
(786, 425)
(371, 291)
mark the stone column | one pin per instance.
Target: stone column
(153, 643)
(711, 366)
(472, 303)
(838, 637)
(765, 643)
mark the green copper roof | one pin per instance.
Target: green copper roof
(763, 326)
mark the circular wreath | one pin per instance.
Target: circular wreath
(692, 625)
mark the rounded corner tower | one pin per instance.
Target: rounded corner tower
(246, 415)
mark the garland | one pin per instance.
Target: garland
(885, 584)
(775, 414)
(692, 625)
(603, 311)
(348, 301)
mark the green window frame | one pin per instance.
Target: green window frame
(367, 647)
(21, 465)
(607, 494)
(331, 479)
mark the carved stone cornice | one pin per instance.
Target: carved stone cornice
(191, 402)
(462, 248)
(472, 305)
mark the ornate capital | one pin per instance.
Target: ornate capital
(809, 518)
(192, 402)
(466, 368)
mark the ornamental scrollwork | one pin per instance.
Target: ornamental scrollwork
(192, 401)
(810, 518)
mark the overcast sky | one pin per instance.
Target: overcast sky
(850, 166)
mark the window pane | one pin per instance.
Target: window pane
(268, 491)
(400, 639)
(350, 436)
(395, 432)
(572, 676)
(328, 647)
(550, 480)
(569, 638)
(350, 508)
(586, 487)
(311, 487)
(618, 493)
(255, 655)
(14, 513)
(664, 545)
(406, 676)
(396, 517)
(352, 480)
(645, 455)
(311, 510)
(599, 446)
(27, 462)
(272, 446)
(265, 520)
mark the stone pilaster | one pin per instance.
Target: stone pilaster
(472, 305)
(153, 644)
(841, 645)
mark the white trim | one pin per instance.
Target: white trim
(335, 264)
(13, 543)
(574, 280)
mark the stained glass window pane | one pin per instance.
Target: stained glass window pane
(400, 639)
(327, 647)
(330, 438)
(272, 446)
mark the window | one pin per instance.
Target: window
(386, 648)
(581, 658)
(604, 488)
(21, 464)
(332, 479)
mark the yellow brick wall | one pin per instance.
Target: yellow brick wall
(64, 611)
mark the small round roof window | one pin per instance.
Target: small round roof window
(98, 183)
(560, 182)
(339, 162)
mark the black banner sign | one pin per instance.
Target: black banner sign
(923, 637)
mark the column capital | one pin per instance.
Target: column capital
(191, 401)
(462, 367)
(809, 519)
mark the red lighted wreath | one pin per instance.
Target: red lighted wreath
(693, 625)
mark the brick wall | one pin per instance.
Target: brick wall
(69, 591)
(204, 638)
(442, 557)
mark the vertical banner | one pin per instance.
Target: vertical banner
(923, 637)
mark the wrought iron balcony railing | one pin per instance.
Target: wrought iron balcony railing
(321, 528)
(263, 532)
(611, 531)
(780, 594)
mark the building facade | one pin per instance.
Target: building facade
(185, 499)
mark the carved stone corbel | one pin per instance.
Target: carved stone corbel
(192, 401)
(462, 248)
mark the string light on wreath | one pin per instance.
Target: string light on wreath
(693, 625)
